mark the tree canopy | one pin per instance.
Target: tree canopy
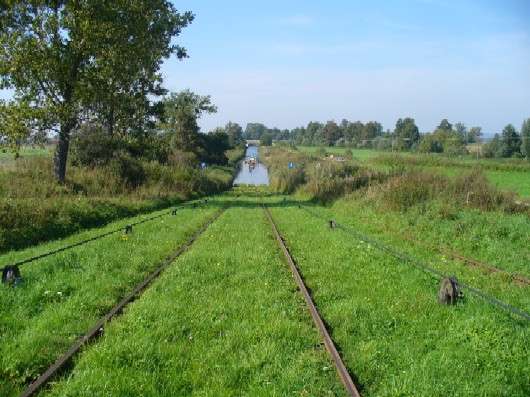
(92, 59)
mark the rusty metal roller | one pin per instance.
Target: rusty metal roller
(449, 291)
(11, 275)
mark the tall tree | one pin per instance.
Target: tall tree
(473, 134)
(371, 130)
(235, 134)
(353, 132)
(511, 141)
(70, 58)
(525, 139)
(445, 126)
(461, 130)
(181, 112)
(254, 131)
(406, 133)
(331, 133)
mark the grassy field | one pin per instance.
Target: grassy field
(225, 319)
(28, 152)
(384, 315)
(508, 175)
(360, 154)
(64, 295)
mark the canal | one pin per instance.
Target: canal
(252, 172)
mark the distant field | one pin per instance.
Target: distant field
(518, 181)
(360, 154)
(28, 152)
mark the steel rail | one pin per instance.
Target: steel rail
(470, 261)
(100, 326)
(330, 346)
(409, 259)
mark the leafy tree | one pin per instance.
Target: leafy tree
(214, 145)
(493, 148)
(511, 142)
(299, 135)
(67, 59)
(235, 134)
(461, 130)
(406, 133)
(445, 126)
(312, 133)
(266, 139)
(430, 144)
(473, 135)
(353, 132)
(331, 133)
(525, 139)
(181, 112)
(254, 131)
(371, 130)
(443, 139)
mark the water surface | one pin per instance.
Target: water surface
(252, 172)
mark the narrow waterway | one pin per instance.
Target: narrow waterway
(252, 172)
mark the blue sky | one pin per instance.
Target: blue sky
(285, 63)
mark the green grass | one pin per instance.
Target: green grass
(64, 295)
(225, 319)
(360, 154)
(511, 181)
(27, 152)
(394, 336)
(515, 181)
(506, 174)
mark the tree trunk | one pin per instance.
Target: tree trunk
(110, 121)
(61, 155)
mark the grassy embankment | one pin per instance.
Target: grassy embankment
(34, 208)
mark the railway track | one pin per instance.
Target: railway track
(328, 342)
(343, 373)
(469, 261)
(99, 328)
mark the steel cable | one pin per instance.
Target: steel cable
(68, 247)
(409, 259)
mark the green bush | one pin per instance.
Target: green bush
(92, 146)
(129, 169)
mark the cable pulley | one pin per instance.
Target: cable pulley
(449, 291)
(11, 275)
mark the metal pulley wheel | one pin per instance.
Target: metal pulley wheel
(11, 275)
(449, 291)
